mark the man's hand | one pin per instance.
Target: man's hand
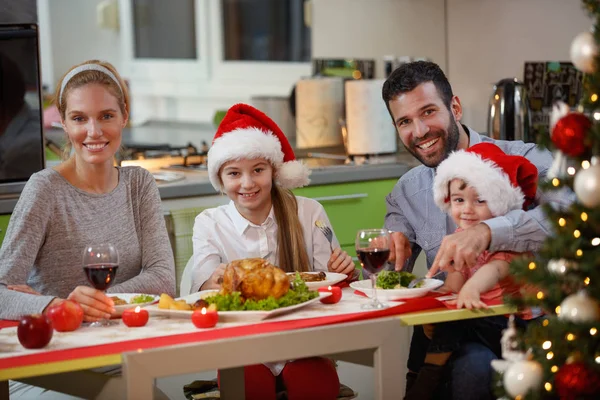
(400, 249)
(461, 249)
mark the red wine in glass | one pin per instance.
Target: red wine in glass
(100, 265)
(373, 260)
(373, 250)
(101, 276)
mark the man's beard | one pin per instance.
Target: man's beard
(450, 144)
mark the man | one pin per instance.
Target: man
(427, 117)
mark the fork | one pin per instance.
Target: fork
(326, 231)
(416, 281)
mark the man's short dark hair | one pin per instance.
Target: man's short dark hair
(408, 76)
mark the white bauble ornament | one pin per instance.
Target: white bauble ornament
(587, 185)
(583, 51)
(579, 307)
(561, 266)
(522, 377)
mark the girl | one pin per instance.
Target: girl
(85, 200)
(252, 162)
(474, 185)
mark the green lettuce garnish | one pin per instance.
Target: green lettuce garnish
(394, 280)
(141, 298)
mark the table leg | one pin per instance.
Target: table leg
(139, 384)
(390, 369)
(232, 383)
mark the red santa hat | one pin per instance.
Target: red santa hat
(247, 133)
(504, 181)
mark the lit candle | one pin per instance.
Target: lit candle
(135, 317)
(336, 294)
(205, 318)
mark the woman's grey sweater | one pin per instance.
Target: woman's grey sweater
(54, 221)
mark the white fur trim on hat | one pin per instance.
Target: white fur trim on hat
(251, 143)
(490, 181)
(292, 174)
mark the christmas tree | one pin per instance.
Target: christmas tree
(559, 356)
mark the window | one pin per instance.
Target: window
(164, 29)
(265, 30)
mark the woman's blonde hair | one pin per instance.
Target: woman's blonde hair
(290, 237)
(85, 78)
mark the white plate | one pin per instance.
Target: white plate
(127, 297)
(397, 294)
(331, 278)
(168, 177)
(229, 316)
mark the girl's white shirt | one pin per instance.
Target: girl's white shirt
(222, 235)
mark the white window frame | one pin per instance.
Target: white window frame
(210, 75)
(166, 77)
(264, 72)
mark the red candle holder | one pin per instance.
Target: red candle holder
(336, 294)
(135, 317)
(205, 318)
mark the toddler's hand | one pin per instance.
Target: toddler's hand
(469, 298)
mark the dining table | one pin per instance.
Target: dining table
(168, 346)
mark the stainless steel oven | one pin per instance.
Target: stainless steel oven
(21, 129)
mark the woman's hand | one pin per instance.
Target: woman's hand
(340, 262)
(96, 305)
(23, 289)
(216, 279)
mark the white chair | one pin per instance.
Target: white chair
(185, 286)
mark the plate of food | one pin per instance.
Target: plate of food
(252, 290)
(393, 285)
(123, 301)
(317, 279)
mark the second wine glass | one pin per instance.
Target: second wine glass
(100, 264)
(373, 250)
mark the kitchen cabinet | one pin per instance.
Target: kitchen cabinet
(3, 226)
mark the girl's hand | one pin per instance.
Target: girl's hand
(340, 262)
(23, 289)
(96, 305)
(216, 279)
(469, 298)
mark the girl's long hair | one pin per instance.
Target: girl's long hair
(290, 237)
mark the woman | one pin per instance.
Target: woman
(85, 200)
(252, 162)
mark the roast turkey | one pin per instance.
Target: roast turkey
(255, 278)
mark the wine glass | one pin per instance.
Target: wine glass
(100, 264)
(373, 250)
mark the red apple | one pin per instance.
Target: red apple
(65, 316)
(34, 331)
